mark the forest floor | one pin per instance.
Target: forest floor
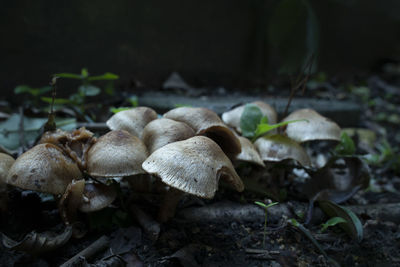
(229, 229)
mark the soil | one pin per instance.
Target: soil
(229, 240)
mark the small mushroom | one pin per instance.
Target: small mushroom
(133, 120)
(206, 122)
(163, 131)
(44, 168)
(116, 154)
(278, 147)
(97, 196)
(249, 152)
(314, 126)
(232, 117)
(192, 166)
(6, 161)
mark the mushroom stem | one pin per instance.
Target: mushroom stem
(168, 206)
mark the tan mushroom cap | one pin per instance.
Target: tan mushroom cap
(206, 122)
(317, 127)
(96, 197)
(6, 161)
(44, 168)
(232, 117)
(249, 152)
(278, 147)
(161, 132)
(193, 166)
(116, 154)
(132, 120)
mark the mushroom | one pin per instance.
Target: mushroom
(249, 152)
(6, 161)
(116, 154)
(97, 196)
(314, 126)
(206, 122)
(44, 168)
(132, 120)
(232, 117)
(278, 147)
(191, 166)
(163, 131)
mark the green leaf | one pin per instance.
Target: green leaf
(353, 227)
(266, 206)
(260, 204)
(105, 76)
(68, 75)
(332, 222)
(249, 120)
(89, 90)
(263, 128)
(116, 110)
(44, 89)
(346, 146)
(57, 101)
(134, 101)
(22, 89)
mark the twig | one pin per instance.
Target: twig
(148, 224)
(92, 249)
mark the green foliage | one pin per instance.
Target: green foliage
(346, 147)
(387, 156)
(265, 206)
(133, 100)
(85, 89)
(332, 222)
(254, 125)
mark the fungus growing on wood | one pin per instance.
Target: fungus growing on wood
(132, 120)
(192, 166)
(161, 132)
(206, 122)
(232, 117)
(313, 127)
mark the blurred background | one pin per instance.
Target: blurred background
(230, 43)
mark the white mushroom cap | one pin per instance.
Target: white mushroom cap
(116, 154)
(317, 127)
(278, 147)
(206, 122)
(6, 161)
(193, 166)
(132, 120)
(232, 117)
(249, 152)
(161, 132)
(44, 168)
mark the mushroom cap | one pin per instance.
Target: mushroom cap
(249, 152)
(6, 161)
(206, 122)
(278, 147)
(317, 127)
(193, 166)
(44, 168)
(163, 131)
(116, 154)
(132, 120)
(232, 117)
(96, 197)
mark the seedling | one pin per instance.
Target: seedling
(35, 93)
(265, 206)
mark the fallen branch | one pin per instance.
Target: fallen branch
(97, 246)
(148, 224)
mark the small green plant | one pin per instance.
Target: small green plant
(332, 222)
(254, 125)
(346, 147)
(34, 93)
(265, 206)
(85, 89)
(133, 100)
(387, 157)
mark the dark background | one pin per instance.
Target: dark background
(225, 42)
